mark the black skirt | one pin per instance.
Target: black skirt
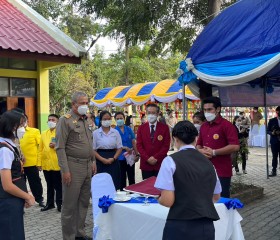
(113, 169)
(197, 229)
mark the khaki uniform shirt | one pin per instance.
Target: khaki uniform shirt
(74, 140)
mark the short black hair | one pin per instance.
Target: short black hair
(200, 116)
(9, 122)
(277, 109)
(153, 105)
(234, 119)
(53, 115)
(215, 100)
(185, 131)
(102, 115)
(119, 113)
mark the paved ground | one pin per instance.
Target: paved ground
(261, 218)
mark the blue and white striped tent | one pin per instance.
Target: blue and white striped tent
(239, 53)
(165, 91)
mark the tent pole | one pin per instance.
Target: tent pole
(265, 123)
(184, 101)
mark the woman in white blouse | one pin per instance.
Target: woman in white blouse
(107, 146)
(13, 191)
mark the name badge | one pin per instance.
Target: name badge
(160, 137)
(216, 136)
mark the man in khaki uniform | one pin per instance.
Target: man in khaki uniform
(77, 163)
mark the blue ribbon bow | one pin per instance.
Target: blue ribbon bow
(231, 203)
(104, 203)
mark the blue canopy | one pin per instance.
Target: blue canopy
(241, 45)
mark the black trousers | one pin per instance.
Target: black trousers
(11, 219)
(127, 170)
(54, 185)
(198, 229)
(225, 183)
(34, 180)
(147, 174)
(275, 149)
(244, 160)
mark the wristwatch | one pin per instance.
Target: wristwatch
(137, 155)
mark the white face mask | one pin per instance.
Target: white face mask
(197, 126)
(51, 124)
(82, 110)
(106, 123)
(20, 132)
(210, 116)
(152, 118)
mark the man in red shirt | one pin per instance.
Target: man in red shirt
(217, 140)
(152, 141)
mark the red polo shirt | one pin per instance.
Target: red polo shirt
(215, 135)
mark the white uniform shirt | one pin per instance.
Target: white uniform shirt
(111, 140)
(6, 155)
(164, 179)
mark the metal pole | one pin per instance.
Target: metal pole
(265, 123)
(184, 101)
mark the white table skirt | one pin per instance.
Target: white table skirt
(127, 221)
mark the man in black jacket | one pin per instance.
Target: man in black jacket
(273, 129)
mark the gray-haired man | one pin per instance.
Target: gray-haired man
(77, 163)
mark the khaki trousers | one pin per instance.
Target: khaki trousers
(76, 199)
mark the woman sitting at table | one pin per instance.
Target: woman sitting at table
(107, 146)
(189, 185)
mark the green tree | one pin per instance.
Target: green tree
(170, 25)
(68, 79)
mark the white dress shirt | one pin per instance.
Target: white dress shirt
(110, 140)
(155, 126)
(6, 154)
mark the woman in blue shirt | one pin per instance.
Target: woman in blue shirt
(129, 144)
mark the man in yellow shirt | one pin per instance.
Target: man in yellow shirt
(48, 162)
(29, 144)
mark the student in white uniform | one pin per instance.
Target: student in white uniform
(13, 191)
(189, 185)
(107, 146)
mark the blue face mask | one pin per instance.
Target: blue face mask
(120, 122)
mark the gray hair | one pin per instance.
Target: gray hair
(77, 95)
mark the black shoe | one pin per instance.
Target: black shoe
(58, 207)
(47, 207)
(84, 238)
(272, 174)
(41, 203)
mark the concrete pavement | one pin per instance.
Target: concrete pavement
(261, 219)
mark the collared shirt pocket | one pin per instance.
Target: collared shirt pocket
(77, 134)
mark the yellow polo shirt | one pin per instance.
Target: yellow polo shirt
(47, 158)
(29, 145)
